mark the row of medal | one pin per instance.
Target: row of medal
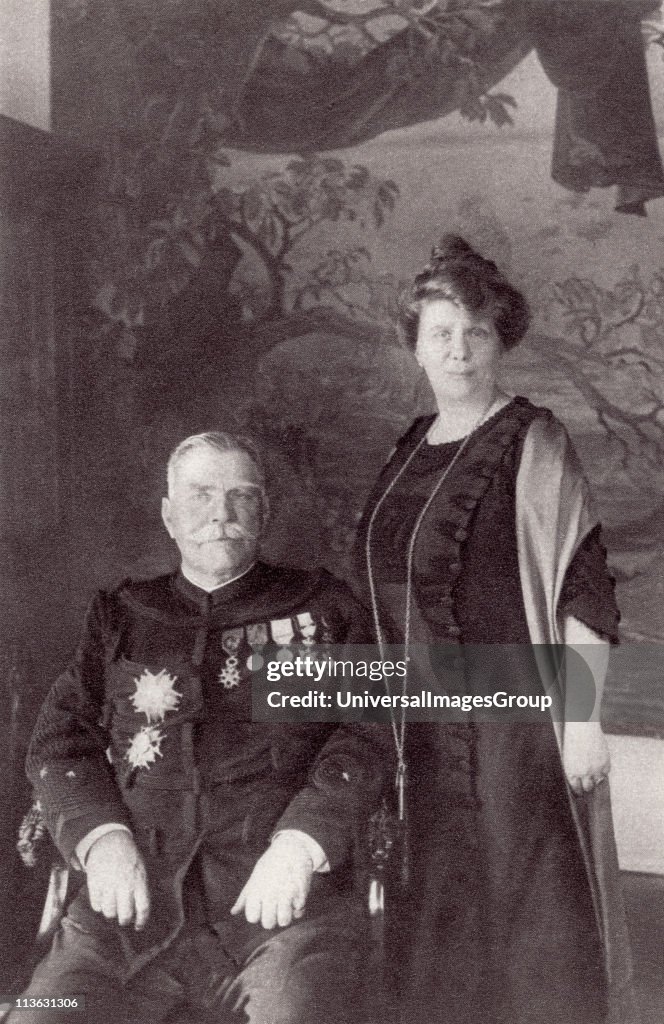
(300, 631)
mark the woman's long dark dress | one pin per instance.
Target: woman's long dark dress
(497, 926)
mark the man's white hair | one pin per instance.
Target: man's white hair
(220, 441)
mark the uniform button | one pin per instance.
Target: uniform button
(446, 600)
(486, 471)
(460, 534)
(459, 663)
(454, 566)
(469, 503)
(454, 630)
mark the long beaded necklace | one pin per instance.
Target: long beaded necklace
(399, 725)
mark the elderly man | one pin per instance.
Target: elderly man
(200, 832)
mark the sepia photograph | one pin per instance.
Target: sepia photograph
(332, 511)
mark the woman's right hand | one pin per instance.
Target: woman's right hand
(586, 757)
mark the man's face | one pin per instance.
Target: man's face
(214, 513)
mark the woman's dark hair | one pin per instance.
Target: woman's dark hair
(457, 273)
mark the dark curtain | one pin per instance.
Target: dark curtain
(605, 131)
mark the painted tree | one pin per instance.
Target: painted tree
(273, 216)
(173, 85)
(609, 342)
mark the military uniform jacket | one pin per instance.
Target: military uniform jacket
(150, 726)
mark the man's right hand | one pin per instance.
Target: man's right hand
(117, 879)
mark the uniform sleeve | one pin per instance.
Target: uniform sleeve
(588, 592)
(345, 785)
(66, 760)
(352, 769)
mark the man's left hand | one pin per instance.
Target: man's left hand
(278, 886)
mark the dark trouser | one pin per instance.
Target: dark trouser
(309, 972)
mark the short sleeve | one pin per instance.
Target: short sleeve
(588, 592)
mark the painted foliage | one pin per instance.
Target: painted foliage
(259, 292)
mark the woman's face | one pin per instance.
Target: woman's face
(458, 351)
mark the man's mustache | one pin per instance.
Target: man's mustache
(228, 533)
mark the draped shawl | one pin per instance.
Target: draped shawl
(553, 515)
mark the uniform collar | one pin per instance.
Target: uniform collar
(226, 593)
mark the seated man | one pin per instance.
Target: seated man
(199, 831)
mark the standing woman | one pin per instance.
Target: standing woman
(479, 531)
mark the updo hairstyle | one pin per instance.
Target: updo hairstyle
(457, 273)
